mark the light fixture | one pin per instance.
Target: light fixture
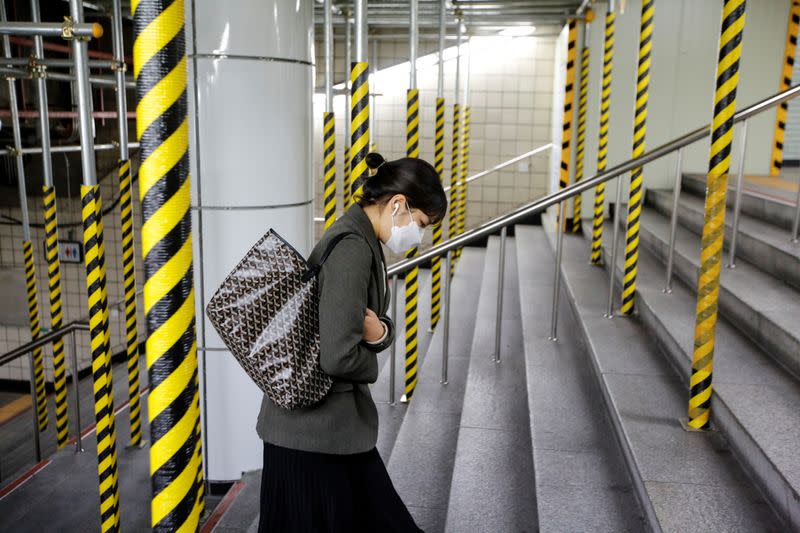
(517, 31)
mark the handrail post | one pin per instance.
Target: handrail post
(393, 357)
(500, 283)
(673, 223)
(36, 444)
(614, 250)
(557, 284)
(446, 326)
(75, 389)
(738, 202)
(796, 223)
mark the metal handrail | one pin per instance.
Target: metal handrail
(75, 325)
(536, 206)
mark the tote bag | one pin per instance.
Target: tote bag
(267, 313)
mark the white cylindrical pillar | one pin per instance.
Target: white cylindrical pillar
(251, 73)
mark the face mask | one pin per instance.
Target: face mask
(404, 237)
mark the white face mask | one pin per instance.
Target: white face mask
(405, 237)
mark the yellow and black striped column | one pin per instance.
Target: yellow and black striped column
(577, 202)
(436, 263)
(346, 179)
(101, 257)
(56, 316)
(101, 363)
(786, 81)
(33, 315)
(461, 215)
(412, 276)
(602, 145)
(129, 281)
(455, 182)
(359, 127)
(569, 99)
(730, 50)
(159, 60)
(329, 163)
(639, 129)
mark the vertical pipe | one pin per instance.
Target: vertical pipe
(37, 447)
(727, 80)
(359, 113)
(373, 97)
(412, 49)
(438, 165)
(446, 326)
(614, 251)
(329, 127)
(577, 201)
(557, 276)
(119, 72)
(635, 194)
(347, 180)
(452, 223)
(328, 17)
(77, 393)
(602, 144)
(796, 222)
(673, 223)
(464, 164)
(569, 101)
(776, 161)
(738, 200)
(500, 284)
(160, 69)
(393, 359)
(37, 375)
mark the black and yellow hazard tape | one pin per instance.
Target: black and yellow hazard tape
(56, 315)
(730, 51)
(436, 263)
(569, 100)
(101, 363)
(412, 276)
(33, 316)
(346, 179)
(455, 182)
(602, 144)
(159, 60)
(329, 168)
(776, 163)
(129, 281)
(577, 201)
(461, 213)
(635, 193)
(359, 127)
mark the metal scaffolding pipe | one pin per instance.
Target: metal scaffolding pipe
(360, 14)
(63, 49)
(66, 30)
(59, 76)
(66, 114)
(79, 54)
(44, 125)
(119, 73)
(70, 148)
(55, 63)
(328, 57)
(413, 32)
(442, 36)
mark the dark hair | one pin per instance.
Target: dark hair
(414, 178)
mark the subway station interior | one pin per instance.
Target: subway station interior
(602, 334)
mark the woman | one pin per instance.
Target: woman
(322, 472)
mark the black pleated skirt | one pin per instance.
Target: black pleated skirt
(305, 491)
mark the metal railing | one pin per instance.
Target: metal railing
(502, 222)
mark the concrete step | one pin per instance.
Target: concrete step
(777, 210)
(757, 304)
(685, 481)
(755, 403)
(581, 480)
(493, 481)
(764, 245)
(421, 463)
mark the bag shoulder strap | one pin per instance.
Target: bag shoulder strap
(313, 270)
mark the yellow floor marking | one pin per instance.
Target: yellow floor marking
(773, 182)
(11, 409)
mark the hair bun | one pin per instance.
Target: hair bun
(374, 160)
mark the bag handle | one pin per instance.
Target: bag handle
(313, 270)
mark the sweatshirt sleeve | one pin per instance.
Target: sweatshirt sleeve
(343, 295)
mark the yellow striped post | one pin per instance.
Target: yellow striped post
(159, 61)
(101, 257)
(329, 162)
(436, 263)
(569, 98)
(412, 276)
(602, 145)
(461, 212)
(577, 202)
(101, 362)
(786, 81)
(639, 129)
(129, 280)
(455, 172)
(33, 316)
(56, 316)
(730, 50)
(346, 181)
(359, 127)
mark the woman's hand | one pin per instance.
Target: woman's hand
(373, 327)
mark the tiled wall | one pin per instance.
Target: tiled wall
(511, 87)
(73, 276)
